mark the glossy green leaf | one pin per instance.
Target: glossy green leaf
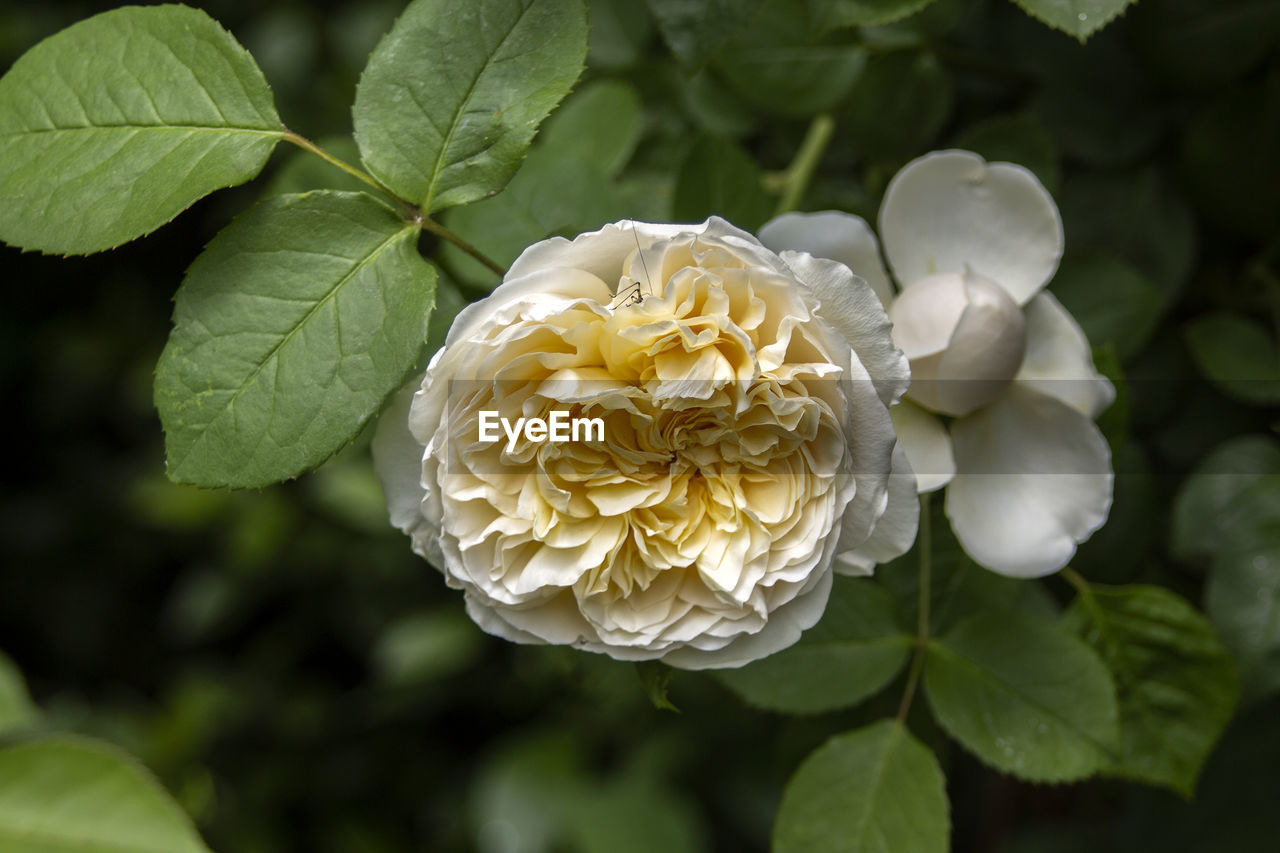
(120, 122)
(1112, 302)
(696, 29)
(67, 795)
(1175, 682)
(782, 64)
(853, 652)
(1216, 497)
(833, 14)
(898, 105)
(1237, 354)
(453, 95)
(16, 708)
(289, 331)
(1080, 18)
(873, 790)
(1024, 696)
(717, 177)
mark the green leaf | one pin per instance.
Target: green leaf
(1020, 139)
(852, 653)
(16, 708)
(1175, 683)
(696, 29)
(600, 125)
(1112, 302)
(1243, 600)
(717, 177)
(120, 122)
(873, 790)
(781, 64)
(1080, 18)
(1024, 696)
(453, 95)
(1237, 354)
(834, 14)
(1217, 496)
(77, 796)
(289, 331)
(898, 105)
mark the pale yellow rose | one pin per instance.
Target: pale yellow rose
(747, 449)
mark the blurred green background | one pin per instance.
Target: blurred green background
(302, 682)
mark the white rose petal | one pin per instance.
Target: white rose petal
(965, 338)
(1033, 479)
(926, 444)
(747, 443)
(1059, 361)
(840, 237)
(950, 210)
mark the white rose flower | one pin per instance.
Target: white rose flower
(747, 449)
(1028, 474)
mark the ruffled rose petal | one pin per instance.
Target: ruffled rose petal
(1059, 361)
(1033, 479)
(784, 627)
(951, 209)
(924, 440)
(895, 530)
(838, 236)
(397, 459)
(850, 305)
(603, 252)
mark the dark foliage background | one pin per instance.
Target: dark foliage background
(302, 682)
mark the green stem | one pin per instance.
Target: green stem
(409, 211)
(924, 541)
(444, 233)
(307, 145)
(801, 170)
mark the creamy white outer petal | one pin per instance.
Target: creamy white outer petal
(925, 441)
(784, 627)
(837, 236)
(1033, 480)
(950, 209)
(895, 530)
(848, 303)
(603, 252)
(1059, 361)
(397, 459)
